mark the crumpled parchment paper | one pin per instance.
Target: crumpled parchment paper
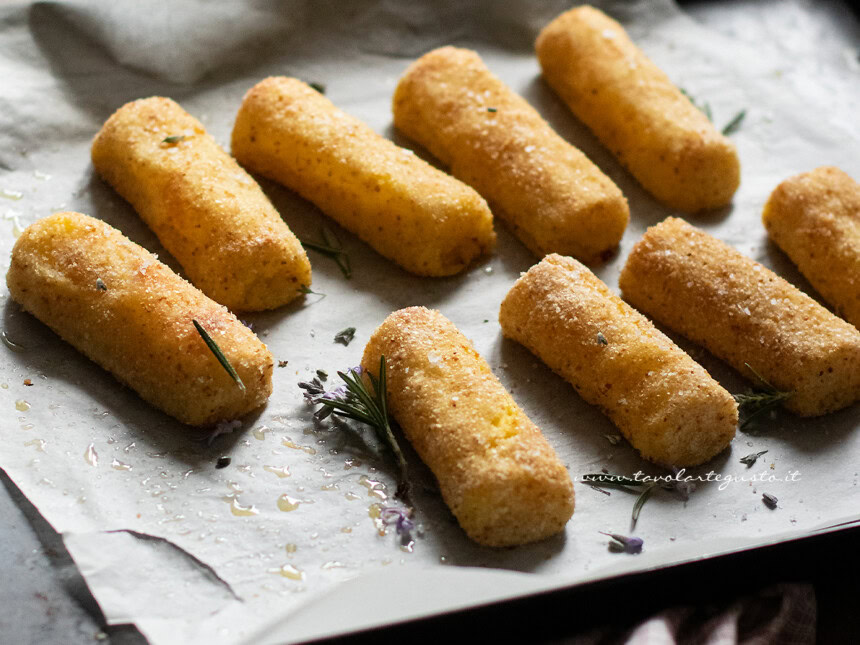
(195, 554)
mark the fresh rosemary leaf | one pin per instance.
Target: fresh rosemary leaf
(100, 285)
(173, 138)
(306, 290)
(753, 405)
(705, 108)
(749, 460)
(319, 87)
(331, 248)
(601, 339)
(345, 336)
(322, 375)
(640, 502)
(15, 347)
(735, 124)
(492, 109)
(213, 347)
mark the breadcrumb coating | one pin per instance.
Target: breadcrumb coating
(667, 143)
(815, 218)
(664, 403)
(115, 302)
(424, 220)
(497, 473)
(206, 210)
(745, 314)
(553, 197)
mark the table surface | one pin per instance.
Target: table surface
(43, 598)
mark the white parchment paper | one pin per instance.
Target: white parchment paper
(194, 554)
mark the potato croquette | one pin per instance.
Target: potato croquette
(744, 314)
(664, 403)
(115, 302)
(667, 143)
(815, 219)
(553, 197)
(206, 210)
(496, 471)
(415, 215)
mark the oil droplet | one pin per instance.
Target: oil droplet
(333, 564)
(91, 456)
(39, 443)
(374, 512)
(260, 433)
(5, 386)
(287, 503)
(242, 511)
(294, 446)
(289, 571)
(280, 472)
(43, 176)
(291, 548)
(351, 463)
(346, 529)
(116, 464)
(374, 488)
(332, 486)
(351, 496)
(21, 405)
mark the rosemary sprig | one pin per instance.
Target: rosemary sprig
(354, 400)
(753, 404)
(173, 138)
(331, 248)
(213, 347)
(734, 125)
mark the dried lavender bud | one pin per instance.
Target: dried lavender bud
(769, 500)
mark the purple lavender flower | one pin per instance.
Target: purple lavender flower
(683, 488)
(623, 544)
(401, 518)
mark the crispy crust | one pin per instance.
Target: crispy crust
(635, 110)
(497, 473)
(410, 212)
(745, 314)
(206, 210)
(667, 405)
(815, 219)
(552, 195)
(139, 328)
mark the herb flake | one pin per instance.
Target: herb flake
(750, 460)
(705, 108)
(223, 462)
(307, 291)
(492, 109)
(173, 139)
(734, 125)
(345, 336)
(319, 87)
(283, 363)
(769, 500)
(213, 347)
(322, 375)
(601, 339)
(100, 285)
